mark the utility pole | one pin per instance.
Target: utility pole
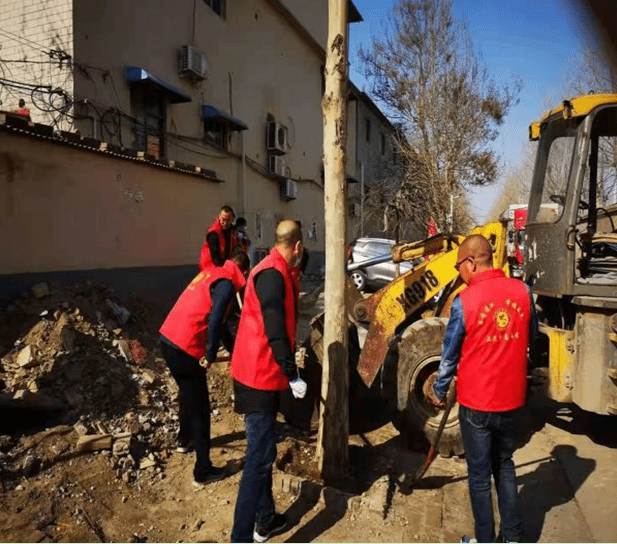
(332, 444)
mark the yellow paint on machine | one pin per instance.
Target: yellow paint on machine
(561, 363)
(397, 301)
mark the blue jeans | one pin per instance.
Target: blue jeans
(489, 439)
(255, 504)
(194, 404)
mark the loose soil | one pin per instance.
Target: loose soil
(87, 444)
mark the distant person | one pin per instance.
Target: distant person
(217, 246)
(22, 110)
(263, 366)
(240, 237)
(189, 342)
(492, 324)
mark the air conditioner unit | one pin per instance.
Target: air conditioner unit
(289, 189)
(277, 166)
(192, 62)
(276, 138)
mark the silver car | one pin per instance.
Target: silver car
(377, 275)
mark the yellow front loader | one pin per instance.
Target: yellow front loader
(395, 339)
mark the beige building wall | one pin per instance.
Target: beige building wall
(265, 60)
(28, 28)
(103, 212)
(258, 69)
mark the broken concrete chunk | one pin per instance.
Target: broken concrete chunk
(149, 376)
(94, 442)
(134, 428)
(146, 463)
(81, 429)
(40, 290)
(122, 446)
(123, 347)
(25, 358)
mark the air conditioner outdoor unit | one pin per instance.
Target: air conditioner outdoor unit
(276, 138)
(192, 62)
(289, 189)
(277, 166)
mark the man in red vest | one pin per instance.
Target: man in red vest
(263, 365)
(492, 323)
(217, 246)
(189, 343)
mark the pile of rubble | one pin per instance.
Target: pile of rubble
(84, 362)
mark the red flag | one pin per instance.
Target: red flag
(432, 228)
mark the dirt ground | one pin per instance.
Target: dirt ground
(87, 451)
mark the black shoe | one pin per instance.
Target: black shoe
(185, 446)
(276, 527)
(213, 475)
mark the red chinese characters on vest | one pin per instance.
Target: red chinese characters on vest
(186, 325)
(492, 373)
(205, 259)
(252, 362)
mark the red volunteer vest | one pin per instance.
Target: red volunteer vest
(205, 259)
(252, 362)
(186, 325)
(492, 373)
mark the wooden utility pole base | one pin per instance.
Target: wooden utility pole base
(332, 445)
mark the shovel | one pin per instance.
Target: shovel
(432, 452)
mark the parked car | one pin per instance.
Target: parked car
(377, 275)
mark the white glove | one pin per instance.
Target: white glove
(298, 388)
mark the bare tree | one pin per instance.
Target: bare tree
(431, 81)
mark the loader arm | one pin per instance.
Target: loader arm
(396, 302)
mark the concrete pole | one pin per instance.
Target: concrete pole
(332, 444)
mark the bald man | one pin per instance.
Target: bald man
(263, 365)
(492, 323)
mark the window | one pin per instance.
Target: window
(149, 107)
(383, 143)
(218, 6)
(368, 131)
(216, 132)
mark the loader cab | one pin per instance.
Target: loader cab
(571, 246)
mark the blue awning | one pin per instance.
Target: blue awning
(212, 112)
(134, 74)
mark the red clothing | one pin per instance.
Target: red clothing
(205, 259)
(492, 373)
(252, 362)
(186, 325)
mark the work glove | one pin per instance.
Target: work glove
(429, 392)
(298, 387)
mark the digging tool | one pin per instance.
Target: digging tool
(432, 452)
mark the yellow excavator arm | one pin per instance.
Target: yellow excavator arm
(409, 294)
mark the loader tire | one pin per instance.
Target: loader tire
(419, 353)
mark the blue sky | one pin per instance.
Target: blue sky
(538, 40)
